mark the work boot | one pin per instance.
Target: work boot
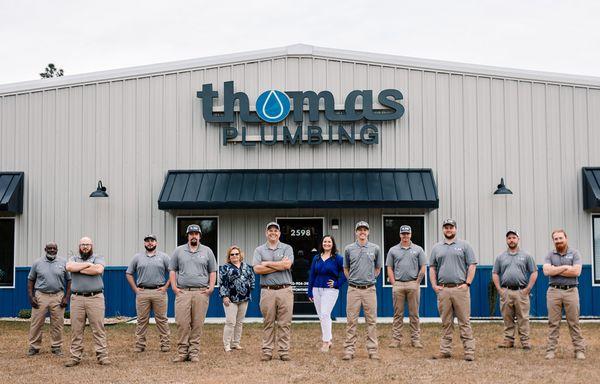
(33, 352)
(104, 362)
(506, 344)
(266, 357)
(348, 356)
(179, 359)
(138, 349)
(550, 355)
(469, 358)
(394, 344)
(195, 359)
(579, 355)
(417, 344)
(374, 356)
(285, 358)
(165, 348)
(441, 355)
(57, 351)
(71, 363)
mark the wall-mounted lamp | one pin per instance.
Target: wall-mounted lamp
(335, 224)
(502, 190)
(100, 191)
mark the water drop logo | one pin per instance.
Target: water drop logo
(272, 106)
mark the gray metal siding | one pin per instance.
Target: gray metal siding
(471, 130)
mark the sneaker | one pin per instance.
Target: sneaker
(238, 347)
(527, 347)
(33, 352)
(179, 359)
(348, 356)
(57, 351)
(394, 344)
(195, 359)
(326, 347)
(165, 348)
(266, 358)
(550, 355)
(579, 355)
(285, 358)
(417, 344)
(469, 358)
(104, 362)
(374, 356)
(506, 344)
(71, 363)
(441, 355)
(227, 349)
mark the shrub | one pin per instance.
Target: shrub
(24, 314)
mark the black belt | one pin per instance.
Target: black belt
(194, 288)
(275, 287)
(407, 281)
(450, 285)
(87, 294)
(514, 287)
(50, 293)
(361, 286)
(563, 287)
(149, 286)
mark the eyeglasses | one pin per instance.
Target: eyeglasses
(234, 254)
(85, 245)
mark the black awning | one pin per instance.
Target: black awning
(591, 189)
(301, 188)
(11, 192)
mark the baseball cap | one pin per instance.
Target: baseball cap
(272, 224)
(150, 236)
(193, 228)
(361, 224)
(513, 231)
(451, 222)
(405, 229)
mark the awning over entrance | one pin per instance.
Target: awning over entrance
(591, 189)
(302, 188)
(11, 192)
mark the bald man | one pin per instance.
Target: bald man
(87, 301)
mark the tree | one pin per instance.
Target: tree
(51, 71)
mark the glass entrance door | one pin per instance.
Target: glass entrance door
(304, 235)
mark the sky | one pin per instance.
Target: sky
(88, 36)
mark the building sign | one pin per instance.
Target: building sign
(346, 124)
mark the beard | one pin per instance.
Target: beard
(86, 255)
(193, 241)
(50, 257)
(150, 248)
(513, 246)
(450, 236)
(560, 247)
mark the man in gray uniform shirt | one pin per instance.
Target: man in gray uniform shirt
(273, 262)
(406, 263)
(151, 268)
(46, 285)
(451, 272)
(514, 275)
(87, 302)
(193, 273)
(563, 266)
(362, 265)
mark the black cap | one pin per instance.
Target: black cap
(405, 229)
(272, 224)
(451, 222)
(513, 231)
(193, 228)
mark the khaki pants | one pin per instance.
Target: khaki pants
(190, 312)
(456, 302)
(276, 306)
(514, 304)
(155, 300)
(367, 298)
(92, 308)
(234, 321)
(556, 300)
(408, 291)
(47, 302)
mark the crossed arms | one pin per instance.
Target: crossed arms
(85, 268)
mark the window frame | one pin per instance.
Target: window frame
(14, 268)
(425, 282)
(595, 279)
(218, 238)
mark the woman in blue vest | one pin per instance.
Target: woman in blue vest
(326, 278)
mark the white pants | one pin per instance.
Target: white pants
(324, 299)
(234, 320)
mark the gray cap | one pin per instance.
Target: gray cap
(451, 222)
(150, 236)
(272, 224)
(405, 229)
(363, 224)
(513, 231)
(193, 228)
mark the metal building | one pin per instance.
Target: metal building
(344, 136)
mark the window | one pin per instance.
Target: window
(596, 249)
(210, 232)
(7, 252)
(391, 237)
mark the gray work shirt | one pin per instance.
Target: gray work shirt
(265, 253)
(150, 270)
(87, 283)
(572, 257)
(514, 268)
(49, 276)
(361, 261)
(406, 262)
(193, 268)
(451, 261)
